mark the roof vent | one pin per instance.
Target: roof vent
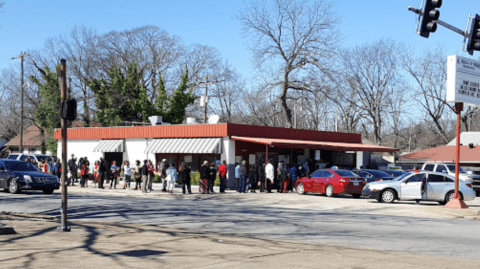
(191, 120)
(471, 145)
(155, 120)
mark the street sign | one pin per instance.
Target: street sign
(463, 80)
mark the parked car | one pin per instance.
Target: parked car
(394, 173)
(23, 157)
(19, 175)
(449, 168)
(372, 175)
(419, 186)
(330, 182)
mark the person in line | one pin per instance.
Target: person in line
(204, 178)
(121, 177)
(184, 177)
(128, 175)
(261, 177)
(114, 172)
(237, 176)
(82, 173)
(87, 165)
(282, 177)
(270, 176)
(293, 176)
(138, 175)
(171, 177)
(242, 172)
(103, 170)
(252, 178)
(72, 168)
(144, 176)
(96, 174)
(222, 173)
(212, 178)
(151, 175)
(59, 169)
(163, 174)
(47, 167)
(53, 164)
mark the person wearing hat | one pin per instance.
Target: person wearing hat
(72, 168)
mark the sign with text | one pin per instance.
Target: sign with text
(463, 80)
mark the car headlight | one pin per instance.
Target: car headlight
(466, 178)
(27, 179)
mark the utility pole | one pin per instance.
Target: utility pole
(21, 57)
(63, 95)
(206, 96)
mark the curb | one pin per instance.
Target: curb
(32, 216)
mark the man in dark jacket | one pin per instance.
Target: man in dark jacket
(103, 171)
(204, 177)
(242, 172)
(144, 176)
(72, 168)
(293, 176)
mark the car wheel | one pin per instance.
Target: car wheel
(300, 189)
(388, 196)
(48, 191)
(356, 196)
(450, 196)
(13, 186)
(329, 191)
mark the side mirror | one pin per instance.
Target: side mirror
(444, 171)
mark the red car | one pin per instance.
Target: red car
(330, 182)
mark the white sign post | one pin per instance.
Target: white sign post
(463, 80)
(463, 86)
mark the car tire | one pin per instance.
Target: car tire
(388, 196)
(450, 195)
(13, 186)
(301, 189)
(356, 196)
(329, 191)
(48, 191)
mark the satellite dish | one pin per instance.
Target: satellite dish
(213, 119)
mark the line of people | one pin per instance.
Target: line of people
(251, 178)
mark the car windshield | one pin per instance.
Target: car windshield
(345, 173)
(402, 176)
(451, 167)
(20, 166)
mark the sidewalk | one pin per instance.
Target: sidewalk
(38, 244)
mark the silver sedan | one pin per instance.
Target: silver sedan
(419, 186)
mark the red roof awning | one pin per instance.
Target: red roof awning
(290, 143)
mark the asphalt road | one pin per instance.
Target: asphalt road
(275, 216)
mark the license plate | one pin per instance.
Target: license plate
(355, 183)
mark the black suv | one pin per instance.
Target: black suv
(18, 175)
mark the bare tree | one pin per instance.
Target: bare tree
(373, 77)
(289, 38)
(429, 73)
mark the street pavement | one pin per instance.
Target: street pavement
(402, 228)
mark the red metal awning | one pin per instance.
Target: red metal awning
(290, 143)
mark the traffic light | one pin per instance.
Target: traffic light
(473, 42)
(430, 15)
(69, 109)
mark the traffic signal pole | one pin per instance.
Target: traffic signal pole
(63, 87)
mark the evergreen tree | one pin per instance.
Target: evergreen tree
(47, 114)
(122, 97)
(172, 108)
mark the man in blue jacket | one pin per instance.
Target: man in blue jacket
(293, 175)
(237, 176)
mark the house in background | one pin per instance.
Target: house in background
(32, 139)
(469, 153)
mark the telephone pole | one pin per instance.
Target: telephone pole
(21, 57)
